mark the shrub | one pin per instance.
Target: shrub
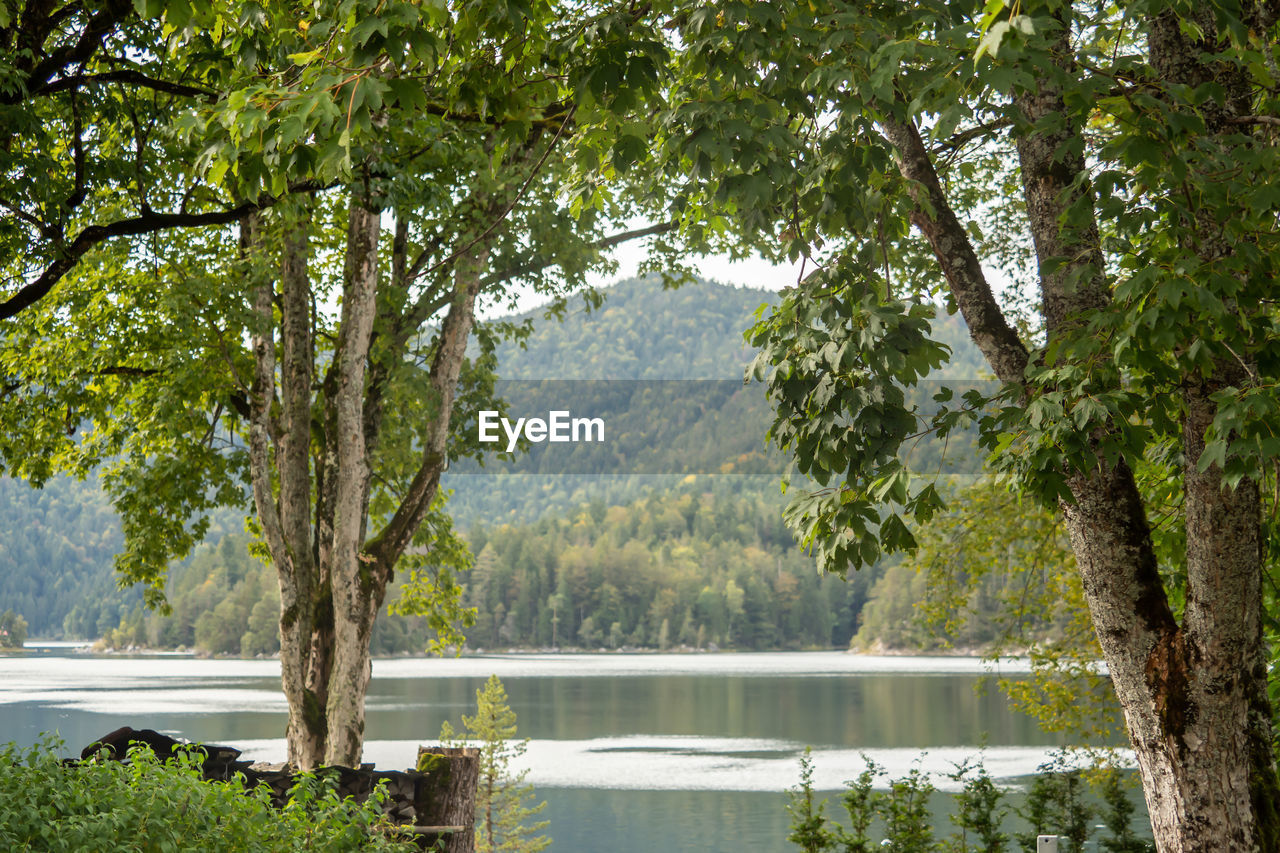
(162, 807)
(808, 825)
(1055, 805)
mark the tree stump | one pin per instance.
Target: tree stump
(447, 794)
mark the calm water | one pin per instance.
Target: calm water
(632, 753)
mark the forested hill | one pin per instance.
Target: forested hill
(56, 547)
(642, 331)
(55, 555)
(646, 331)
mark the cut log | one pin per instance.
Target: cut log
(447, 793)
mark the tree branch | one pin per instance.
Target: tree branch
(506, 211)
(124, 76)
(389, 543)
(964, 137)
(95, 32)
(1268, 120)
(77, 145)
(604, 243)
(937, 221)
(262, 396)
(148, 222)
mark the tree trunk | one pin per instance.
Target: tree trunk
(351, 578)
(311, 474)
(286, 522)
(1190, 694)
(303, 664)
(1193, 695)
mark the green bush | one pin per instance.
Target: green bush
(1055, 805)
(148, 806)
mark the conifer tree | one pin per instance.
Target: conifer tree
(13, 630)
(502, 793)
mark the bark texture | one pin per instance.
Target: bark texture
(1193, 694)
(351, 581)
(449, 793)
(310, 449)
(286, 516)
(934, 217)
(303, 665)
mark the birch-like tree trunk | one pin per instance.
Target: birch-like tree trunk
(351, 581)
(310, 458)
(280, 453)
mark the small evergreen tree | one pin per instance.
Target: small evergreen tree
(908, 824)
(860, 803)
(1055, 806)
(501, 794)
(13, 630)
(979, 815)
(1118, 817)
(808, 824)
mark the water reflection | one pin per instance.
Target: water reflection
(703, 745)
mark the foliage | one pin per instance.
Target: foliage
(462, 124)
(501, 813)
(148, 805)
(1118, 816)
(860, 805)
(56, 552)
(221, 601)
(67, 585)
(564, 581)
(55, 562)
(711, 559)
(13, 630)
(978, 814)
(808, 824)
(903, 810)
(1134, 144)
(90, 96)
(640, 330)
(1055, 805)
(849, 384)
(224, 601)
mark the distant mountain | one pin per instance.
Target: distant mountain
(642, 331)
(659, 432)
(56, 551)
(646, 331)
(58, 542)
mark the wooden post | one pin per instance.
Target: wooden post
(447, 794)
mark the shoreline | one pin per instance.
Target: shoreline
(94, 647)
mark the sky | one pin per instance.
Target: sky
(754, 273)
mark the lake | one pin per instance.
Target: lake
(645, 752)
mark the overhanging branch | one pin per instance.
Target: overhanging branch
(934, 217)
(125, 76)
(605, 243)
(148, 222)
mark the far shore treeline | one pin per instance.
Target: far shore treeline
(588, 562)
